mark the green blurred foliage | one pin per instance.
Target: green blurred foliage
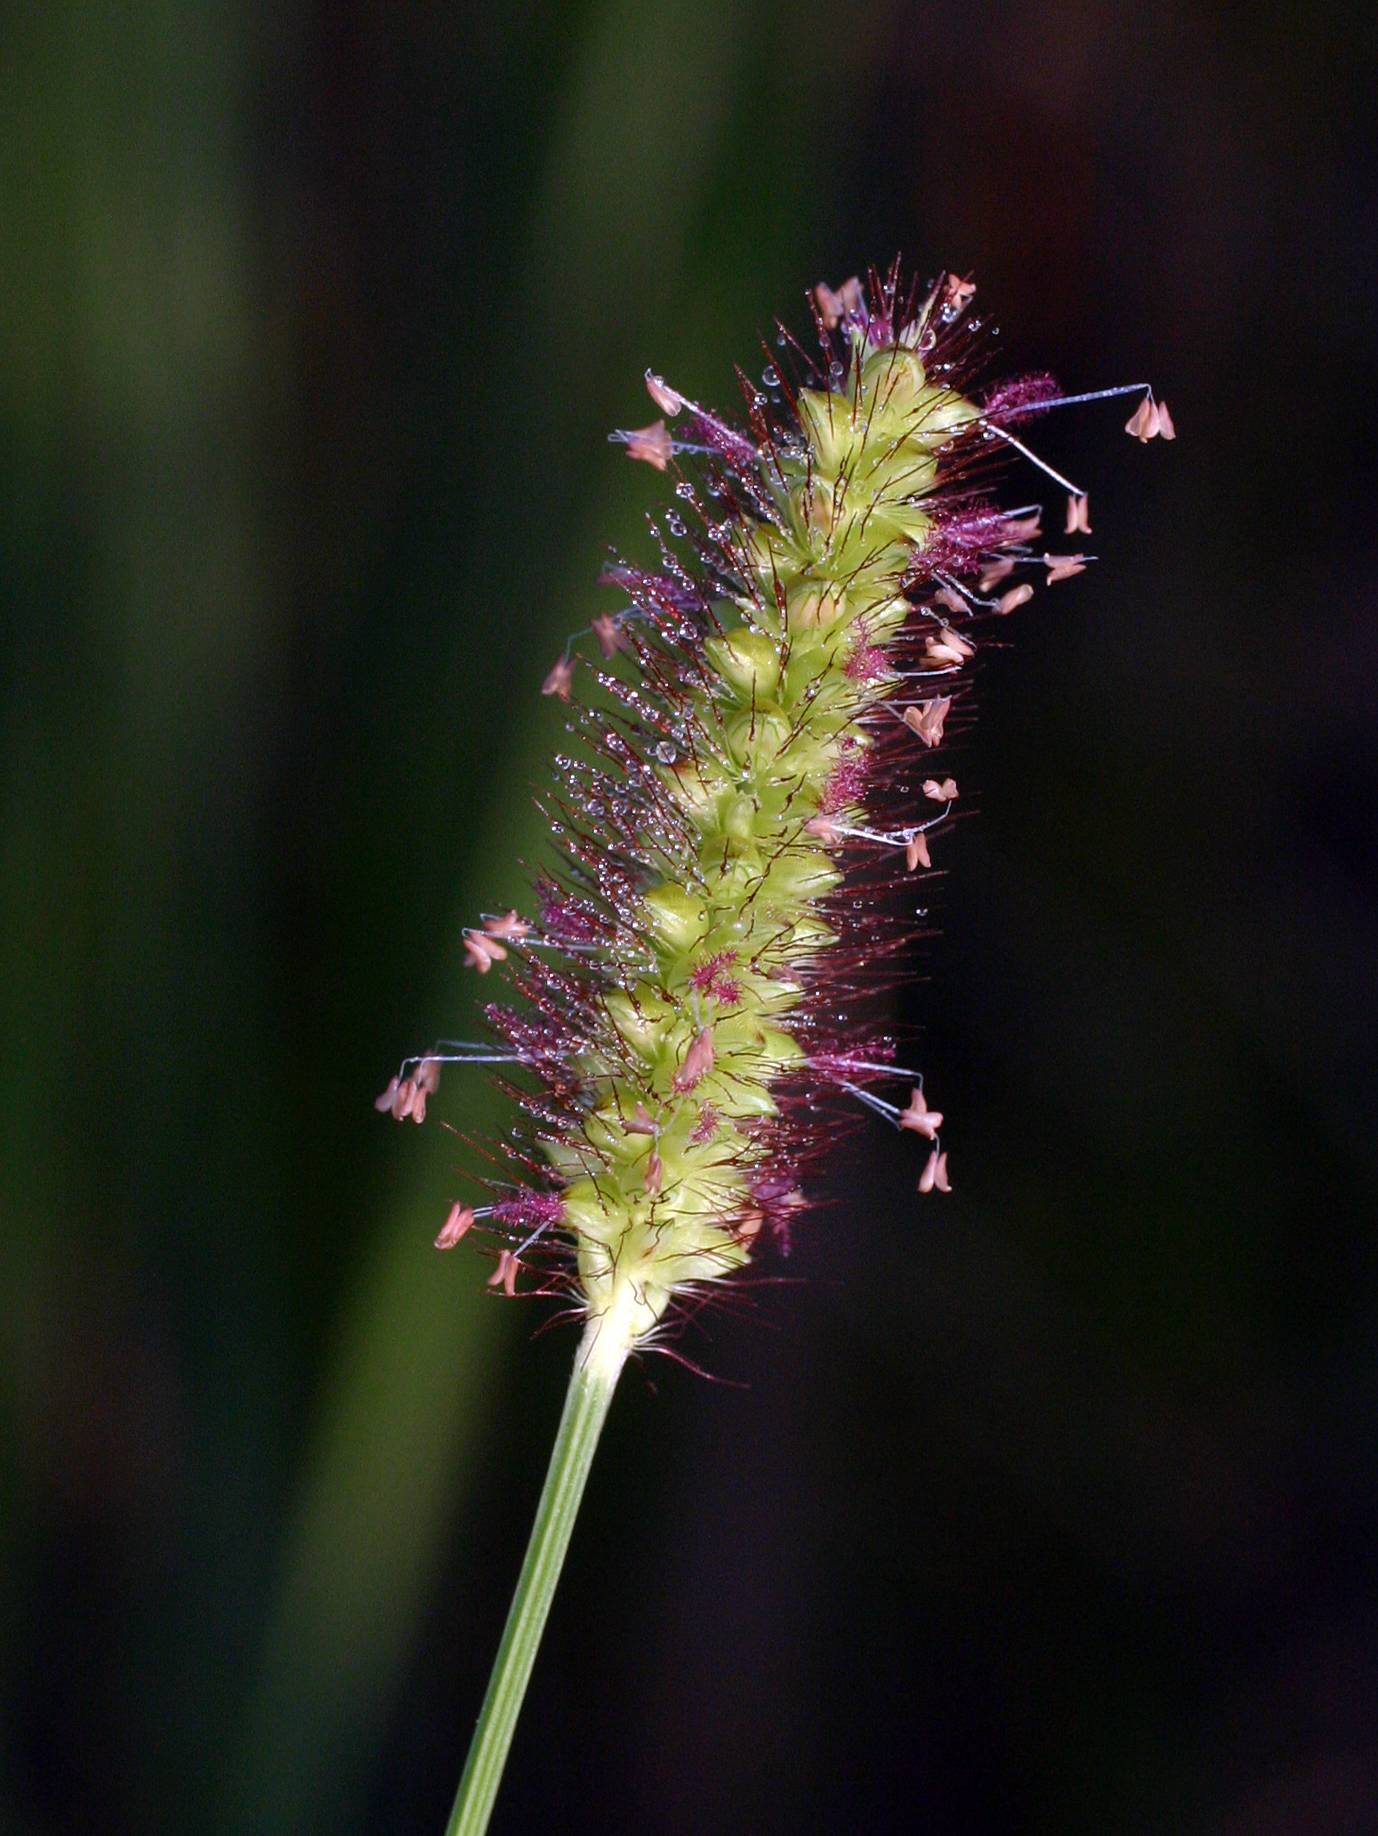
(1049, 1514)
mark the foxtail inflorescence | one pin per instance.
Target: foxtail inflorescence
(754, 773)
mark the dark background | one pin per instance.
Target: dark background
(1049, 1507)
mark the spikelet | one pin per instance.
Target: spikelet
(752, 781)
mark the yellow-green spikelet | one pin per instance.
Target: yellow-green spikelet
(655, 1213)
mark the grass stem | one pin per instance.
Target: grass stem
(597, 1366)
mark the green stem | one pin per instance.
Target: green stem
(602, 1353)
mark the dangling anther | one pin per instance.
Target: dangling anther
(1146, 422)
(512, 929)
(920, 1118)
(948, 647)
(610, 636)
(505, 1274)
(928, 719)
(455, 1226)
(668, 400)
(1017, 596)
(651, 444)
(833, 307)
(1063, 567)
(934, 1176)
(483, 951)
